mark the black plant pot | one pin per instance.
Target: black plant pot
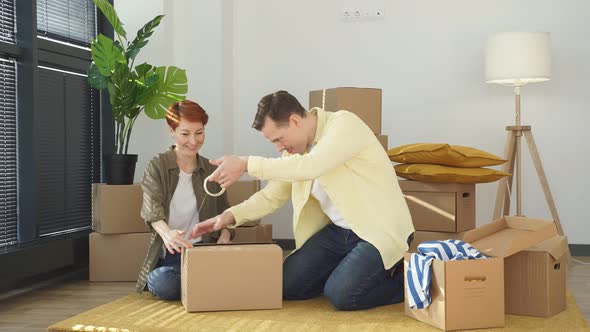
(119, 168)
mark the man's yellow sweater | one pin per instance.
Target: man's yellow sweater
(351, 166)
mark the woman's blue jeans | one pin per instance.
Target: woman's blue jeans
(164, 281)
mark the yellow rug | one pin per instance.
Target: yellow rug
(144, 313)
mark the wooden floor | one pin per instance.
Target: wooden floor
(36, 310)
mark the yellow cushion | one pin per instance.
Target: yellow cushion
(437, 173)
(443, 154)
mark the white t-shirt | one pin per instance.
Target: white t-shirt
(327, 206)
(184, 214)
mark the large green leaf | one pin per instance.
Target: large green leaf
(109, 12)
(95, 78)
(143, 69)
(106, 55)
(172, 86)
(142, 37)
(146, 89)
(125, 90)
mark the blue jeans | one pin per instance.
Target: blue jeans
(349, 271)
(164, 281)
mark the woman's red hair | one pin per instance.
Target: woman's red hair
(187, 110)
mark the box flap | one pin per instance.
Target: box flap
(555, 246)
(509, 235)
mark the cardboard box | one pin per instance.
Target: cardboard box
(535, 279)
(440, 207)
(117, 257)
(237, 277)
(116, 209)
(422, 236)
(384, 140)
(364, 102)
(469, 294)
(253, 234)
(241, 191)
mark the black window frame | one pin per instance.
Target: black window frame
(32, 51)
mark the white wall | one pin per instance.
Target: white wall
(428, 58)
(189, 37)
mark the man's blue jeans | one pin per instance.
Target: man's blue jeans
(349, 271)
(164, 281)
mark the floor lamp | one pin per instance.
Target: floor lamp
(515, 59)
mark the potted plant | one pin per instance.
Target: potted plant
(132, 89)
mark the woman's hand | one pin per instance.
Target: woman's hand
(173, 239)
(224, 237)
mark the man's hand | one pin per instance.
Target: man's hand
(213, 224)
(229, 170)
(225, 237)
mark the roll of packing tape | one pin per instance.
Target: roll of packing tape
(207, 190)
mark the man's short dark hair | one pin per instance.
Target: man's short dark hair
(277, 106)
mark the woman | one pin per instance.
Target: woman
(174, 200)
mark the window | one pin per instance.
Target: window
(71, 21)
(50, 129)
(65, 143)
(7, 21)
(8, 158)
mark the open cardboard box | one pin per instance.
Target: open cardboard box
(536, 279)
(232, 277)
(469, 294)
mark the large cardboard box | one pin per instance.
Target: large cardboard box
(440, 207)
(535, 279)
(117, 257)
(384, 140)
(469, 294)
(237, 277)
(253, 234)
(116, 209)
(364, 102)
(241, 191)
(423, 236)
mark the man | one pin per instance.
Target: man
(350, 220)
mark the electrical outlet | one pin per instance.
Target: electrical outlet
(345, 14)
(357, 14)
(379, 13)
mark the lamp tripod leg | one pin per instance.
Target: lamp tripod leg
(503, 194)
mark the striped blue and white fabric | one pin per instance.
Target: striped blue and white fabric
(418, 274)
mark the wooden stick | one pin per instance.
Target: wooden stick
(507, 198)
(501, 194)
(543, 179)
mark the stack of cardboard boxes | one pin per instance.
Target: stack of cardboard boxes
(364, 102)
(120, 239)
(525, 277)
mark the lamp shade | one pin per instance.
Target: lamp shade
(517, 58)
